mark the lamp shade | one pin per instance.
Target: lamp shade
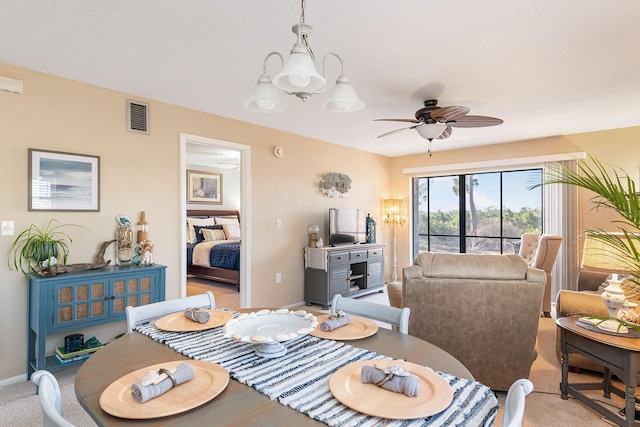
(299, 73)
(265, 97)
(343, 97)
(431, 130)
(394, 210)
(609, 254)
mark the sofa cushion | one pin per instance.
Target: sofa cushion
(472, 266)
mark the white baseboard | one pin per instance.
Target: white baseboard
(13, 380)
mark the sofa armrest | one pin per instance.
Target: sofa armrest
(570, 303)
(591, 280)
(412, 272)
(536, 275)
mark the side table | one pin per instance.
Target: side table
(617, 354)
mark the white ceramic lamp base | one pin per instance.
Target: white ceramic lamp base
(613, 298)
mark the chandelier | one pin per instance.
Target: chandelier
(299, 77)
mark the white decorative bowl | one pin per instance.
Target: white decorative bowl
(270, 328)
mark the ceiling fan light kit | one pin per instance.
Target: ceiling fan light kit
(433, 122)
(431, 131)
(299, 77)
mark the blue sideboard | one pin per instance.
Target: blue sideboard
(76, 300)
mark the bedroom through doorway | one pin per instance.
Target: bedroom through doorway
(215, 185)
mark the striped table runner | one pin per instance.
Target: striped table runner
(300, 379)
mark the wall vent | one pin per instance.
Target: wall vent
(137, 117)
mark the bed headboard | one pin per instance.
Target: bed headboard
(204, 213)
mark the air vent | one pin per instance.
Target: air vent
(137, 116)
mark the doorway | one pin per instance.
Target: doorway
(244, 208)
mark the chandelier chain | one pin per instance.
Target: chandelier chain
(303, 35)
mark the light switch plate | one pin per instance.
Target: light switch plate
(6, 228)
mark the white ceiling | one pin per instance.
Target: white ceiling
(546, 67)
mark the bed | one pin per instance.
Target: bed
(213, 245)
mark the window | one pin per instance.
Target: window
(488, 215)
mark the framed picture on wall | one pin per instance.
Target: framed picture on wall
(204, 187)
(63, 181)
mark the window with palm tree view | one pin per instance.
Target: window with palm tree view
(488, 216)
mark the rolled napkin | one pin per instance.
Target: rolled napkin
(392, 378)
(197, 315)
(142, 393)
(335, 321)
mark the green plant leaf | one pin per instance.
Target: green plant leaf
(34, 245)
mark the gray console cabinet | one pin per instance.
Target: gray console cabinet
(72, 301)
(351, 271)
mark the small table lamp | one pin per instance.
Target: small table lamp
(600, 255)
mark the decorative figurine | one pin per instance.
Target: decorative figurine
(147, 252)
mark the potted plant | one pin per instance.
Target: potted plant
(36, 247)
(615, 190)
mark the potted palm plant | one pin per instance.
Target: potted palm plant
(615, 190)
(36, 247)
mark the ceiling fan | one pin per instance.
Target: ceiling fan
(433, 122)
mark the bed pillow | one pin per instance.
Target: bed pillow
(191, 222)
(231, 231)
(198, 229)
(212, 234)
(230, 220)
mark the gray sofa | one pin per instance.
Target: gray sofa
(482, 309)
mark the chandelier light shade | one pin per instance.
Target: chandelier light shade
(298, 76)
(265, 97)
(299, 73)
(343, 97)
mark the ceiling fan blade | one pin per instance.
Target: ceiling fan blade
(446, 133)
(398, 120)
(446, 114)
(397, 130)
(474, 122)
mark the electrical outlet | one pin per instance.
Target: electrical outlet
(7, 228)
(278, 277)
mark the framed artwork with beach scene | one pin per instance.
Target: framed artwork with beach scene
(63, 181)
(204, 187)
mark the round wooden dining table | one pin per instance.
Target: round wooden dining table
(238, 404)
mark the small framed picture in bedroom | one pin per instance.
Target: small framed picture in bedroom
(204, 187)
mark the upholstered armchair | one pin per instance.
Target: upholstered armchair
(483, 309)
(540, 251)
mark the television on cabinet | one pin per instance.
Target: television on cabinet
(347, 226)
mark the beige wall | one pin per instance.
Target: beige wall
(140, 172)
(619, 147)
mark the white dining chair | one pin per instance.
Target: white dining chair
(384, 313)
(48, 392)
(514, 404)
(142, 314)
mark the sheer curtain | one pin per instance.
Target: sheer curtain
(560, 205)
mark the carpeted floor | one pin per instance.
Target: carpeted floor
(19, 405)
